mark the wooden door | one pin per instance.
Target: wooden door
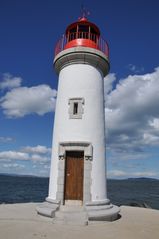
(74, 170)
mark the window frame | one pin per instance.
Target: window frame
(78, 112)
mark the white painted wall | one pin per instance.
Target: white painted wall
(85, 81)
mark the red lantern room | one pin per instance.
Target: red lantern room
(82, 33)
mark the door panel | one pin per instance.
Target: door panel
(74, 169)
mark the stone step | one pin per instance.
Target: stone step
(98, 208)
(71, 217)
(70, 208)
(47, 209)
(109, 214)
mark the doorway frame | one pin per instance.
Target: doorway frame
(87, 148)
(75, 161)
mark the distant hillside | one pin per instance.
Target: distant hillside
(134, 179)
(143, 179)
(19, 175)
(34, 176)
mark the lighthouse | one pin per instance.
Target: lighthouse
(78, 162)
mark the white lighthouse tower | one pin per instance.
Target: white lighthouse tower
(78, 163)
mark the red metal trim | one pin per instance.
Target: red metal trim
(84, 39)
(81, 42)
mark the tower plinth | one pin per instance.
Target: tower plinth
(78, 163)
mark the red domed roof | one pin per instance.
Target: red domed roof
(83, 21)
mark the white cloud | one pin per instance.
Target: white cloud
(31, 162)
(39, 149)
(135, 69)
(155, 123)
(117, 173)
(132, 126)
(39, 158)
(46, 166)
(5, 139)
(108, 83)
(9, 82)
(13, 165)
(13, 155)
(35, 154)
(150, 139)
(28, 100)
(43, 173)
(126, 174)
(132, 112)
(145, 174)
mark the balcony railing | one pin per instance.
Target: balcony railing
(98, 42)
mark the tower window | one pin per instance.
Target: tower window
(76, 108)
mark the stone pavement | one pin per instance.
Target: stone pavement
(20, 221)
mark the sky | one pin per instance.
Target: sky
(29, 31)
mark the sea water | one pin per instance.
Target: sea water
(22, 189)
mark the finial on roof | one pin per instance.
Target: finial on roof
(84, 13)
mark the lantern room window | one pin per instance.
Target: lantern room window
(82, 31)
(73, 30)
(83, 28)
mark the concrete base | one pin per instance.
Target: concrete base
(102, 211)
(79, 215)
(21, 221)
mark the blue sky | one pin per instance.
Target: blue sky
(29, 31)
